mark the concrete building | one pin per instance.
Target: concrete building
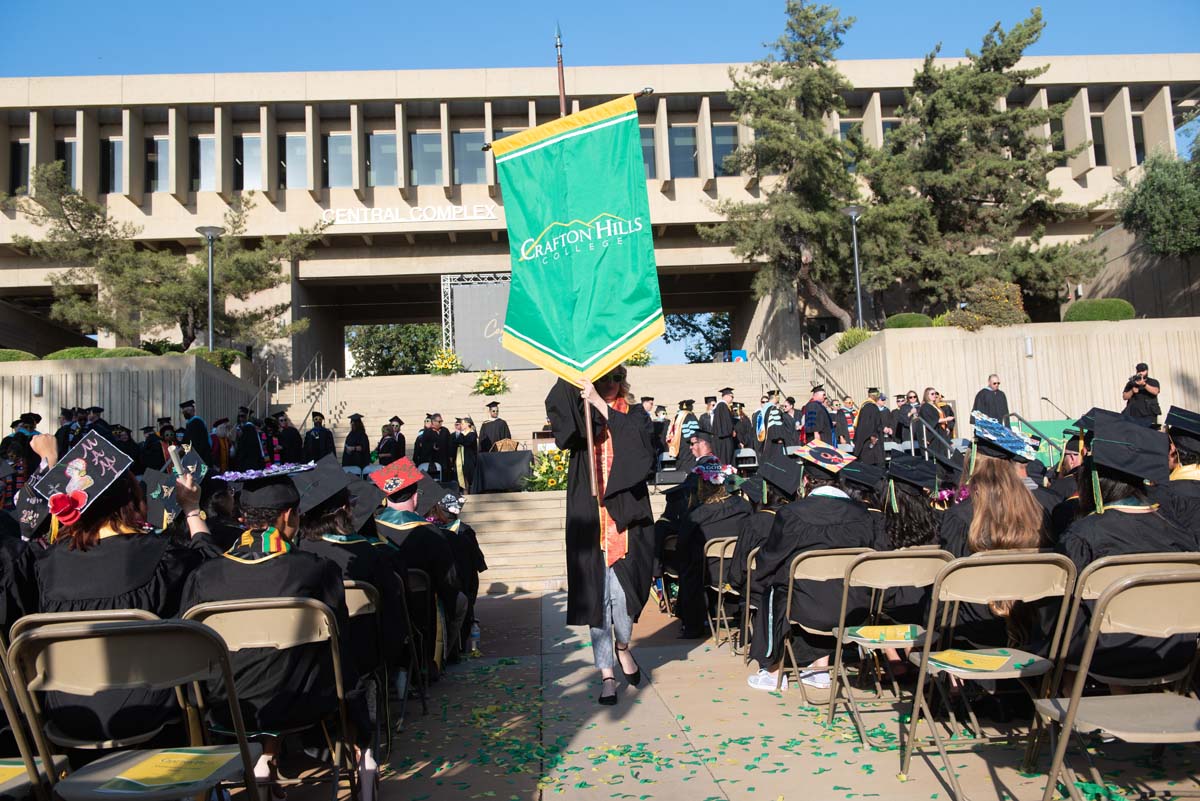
(393, 161)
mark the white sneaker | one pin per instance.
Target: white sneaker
(816, 678)
(763, 680)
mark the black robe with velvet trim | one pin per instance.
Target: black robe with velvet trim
(626, 500)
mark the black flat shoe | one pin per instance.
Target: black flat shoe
(608, 700)
(634, 678)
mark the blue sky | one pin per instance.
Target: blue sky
(73, 37)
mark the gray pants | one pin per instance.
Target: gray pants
(616, 618)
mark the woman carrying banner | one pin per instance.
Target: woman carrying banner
(610, 539)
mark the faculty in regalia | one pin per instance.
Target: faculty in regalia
(494, 430)
(722, 427)
(870, 430)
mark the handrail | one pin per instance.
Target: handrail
(315, 366)
(1045, 440)
(265, 386)
(762, 357)
(926, 431)
(318, 392)
(818, 357)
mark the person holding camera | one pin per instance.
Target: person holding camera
(1141, 396)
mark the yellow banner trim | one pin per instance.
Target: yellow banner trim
(575, 376)
(589, 116)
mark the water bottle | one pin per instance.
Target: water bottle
(473, 642)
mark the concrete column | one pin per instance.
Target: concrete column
(270, 151)
(1077, 129)
(872, 122)
(180, 170)
(489, 163)
(1039, 102)
(41, 142)
(134, 169)
(5, 161)
(662, 153)
(575, 106)
(87, 152)
(704, 143)
(532, 113)
(358, 150)
(312, 139)
(402, 154)
(223, 137)
(1158, 124)
(447, 150)
(1118, 132)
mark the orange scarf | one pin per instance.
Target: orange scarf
(614, 541)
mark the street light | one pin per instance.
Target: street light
(854, 212)
(212, 233)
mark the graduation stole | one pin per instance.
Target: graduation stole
(675, 435)
(1186, 472)
(761, 429)
(344, 539)
(255, 545)
(614, 541)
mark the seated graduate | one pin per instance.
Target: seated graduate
(825, 518)
(1119, 517)
(865, 483)
(468, 556)
(1182, 498)
(293, 687)
(327, 530)
(715, 514)
(105, 556)
(776, 483)
(681, 497)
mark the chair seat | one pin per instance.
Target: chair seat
(19, 786)
(1018, 664)
(85, 783)
(877, 644)
(63, 740)
(1145, 718)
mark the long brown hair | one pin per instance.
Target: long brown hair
(621, 376)
(121, 507)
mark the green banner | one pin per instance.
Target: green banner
(1052, 430)
(584, 292)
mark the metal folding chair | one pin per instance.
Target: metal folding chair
(34, 782)
(670, 546)
(721, 549)
(362, 600)
(357, 472)
(747, 607)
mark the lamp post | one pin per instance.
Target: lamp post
(211, 233)
(854, 212)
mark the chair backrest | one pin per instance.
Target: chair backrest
(277, 623)
(745, 457)
(352, 470)
(881, 570)
(824, 565)
(371, 468)
(1154, 604)
(361, 598)
(418, 580)
(17, 727)
(719, 547)
(1100, 575)
(33, 621)
(1005, 576)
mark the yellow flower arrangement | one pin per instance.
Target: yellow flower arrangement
(639, 358)
(445, 362)
(549, 471)
(490, 382)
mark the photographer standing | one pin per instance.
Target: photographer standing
(1141, 396)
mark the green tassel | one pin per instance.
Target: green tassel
(892, 496)
(764, 486)
(802, 493)
(1096, 495)
(971, 468)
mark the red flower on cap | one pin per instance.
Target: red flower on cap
(67, 507)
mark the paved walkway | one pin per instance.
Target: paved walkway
(523, 723)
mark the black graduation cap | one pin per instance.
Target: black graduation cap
(81, 476)
(873, 391)
(30, 418)
(647, 398)
(782, 473)
(66, 411)
(701, 433)
(147, 429)
(686, 405)
(753, 487)
(164, 421)
(161, 505)
(658, 409)
(1073, 442)
(277, 492)
(315, 415)
(96, 409)
(913, 474)
(818, 388)
(246, 411)
(429, 492)
(495, 404)
(1184, 428)
(870, 476)
(356, 416)
(319, 485)
(710, 398)
(1126, 447)
(32, 513)
(365, 498)
(949, 466)
(279, 415)
(396, 419)
(725, 390)
(1088, 421)
(187, 403)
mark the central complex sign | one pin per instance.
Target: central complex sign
(409, 214)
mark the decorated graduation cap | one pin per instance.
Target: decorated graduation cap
(82, 476)
(320, 484)
(161, 506)
(452, 502)
(365, 498)
(193, 466)
(993, 438)
(827, 461)
(781, 473)
(711, 470)
(1184, 428)
(399, 475)
(32, 513)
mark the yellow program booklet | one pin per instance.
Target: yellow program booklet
(171, 768)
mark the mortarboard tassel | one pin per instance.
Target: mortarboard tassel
(892, 496)
(1096, 494)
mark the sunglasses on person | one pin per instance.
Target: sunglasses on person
(912, 397)
(615, 377)
(995, 383)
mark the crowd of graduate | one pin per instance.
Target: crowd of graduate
(95, 529)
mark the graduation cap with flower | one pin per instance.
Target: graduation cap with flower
(711, 470)
(81, 476)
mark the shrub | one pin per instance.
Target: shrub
(990, 302)
(942, 320)
(851, 337)
(1099, 309)
(160, 347)
(908, 320)
(77, 353)
(639, 358)
(127, 352)
(220, 357)
(490, 382)
(12, 355)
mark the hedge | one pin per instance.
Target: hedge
(221, 357)
(851, 337)
(1099, 309)
(127, 352)
(13, 355)
(77, 353)
(909, 320)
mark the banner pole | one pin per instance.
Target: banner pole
(587, 424)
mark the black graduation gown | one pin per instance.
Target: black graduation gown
(18, 579)
(152, 456)
(64, 436)
(441, 448)
(1111, 534)
(902, 416)
(818, 423)
(318, 442)
(101, 427)
(870, 424)
(197, 434)
(277, 689)
(466, 446)
(422, 448)
(492, 432)
(125, 571)
(814, 523)
(423, 546)
(248, 453)
(976, 624)
(400, 445)
(743, 431)
(468, 563)
(991, 402)
(930, 414)
(753, 533)
(360, 458)
(626, 500)
(386, 450)
(702, 523)
(722, 431)
(1179, 500)
(292, 445)
(359, 560)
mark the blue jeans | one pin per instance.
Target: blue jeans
(616, 619)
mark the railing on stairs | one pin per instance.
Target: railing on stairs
(820, 372)
(312, 375)
(1054, 446)
(770, 373)
(260, 404)
(928, 433)
(325, 389)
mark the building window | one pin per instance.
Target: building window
(293, 150)
(470, 165)
(1058, 141)
(202, 163)
(647, 132)
(1139, 139)
(845, 127)
(64, 151)
(426, 151)
(337, 161)
(18, 167)
(158, 164)
(681, 145)
(889, 126)
(1098, 141)
(724, 142)
(112, 163)
(381, 160)
(247, 162)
